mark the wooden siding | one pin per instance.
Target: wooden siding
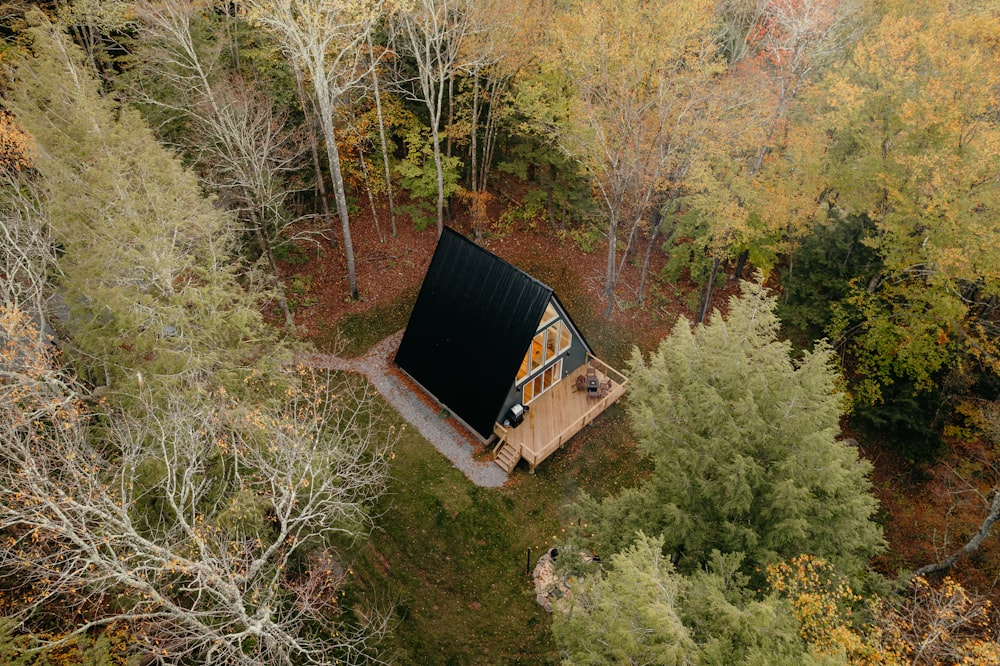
(555, 416)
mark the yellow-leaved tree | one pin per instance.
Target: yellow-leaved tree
(628, 89)
(783, 44)
(913, 144)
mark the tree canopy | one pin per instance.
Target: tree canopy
(145, 264)
(743, 439)
(643, 611)
(913, 146)
(205, 487)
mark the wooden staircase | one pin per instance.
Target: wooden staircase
(506, 455)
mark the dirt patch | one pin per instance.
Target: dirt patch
(386, 267)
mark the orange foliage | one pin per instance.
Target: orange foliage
(787, 25)
(114, 645)
(823, 603)
(32, 396)
(941, 624)
(478, 203)
(15, 146)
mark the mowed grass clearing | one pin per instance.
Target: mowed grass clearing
(451, 557)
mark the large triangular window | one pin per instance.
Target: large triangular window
(542, 364)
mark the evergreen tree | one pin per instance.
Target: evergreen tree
(743, 441)
(820, 271)
(644, 612)
(146, 264)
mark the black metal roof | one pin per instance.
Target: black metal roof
(471, 326)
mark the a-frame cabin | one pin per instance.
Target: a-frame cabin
(496, 348)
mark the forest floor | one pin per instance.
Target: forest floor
(390, 268)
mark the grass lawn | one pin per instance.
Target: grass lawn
(358, 332)
(452, 556)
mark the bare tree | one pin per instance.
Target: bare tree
(432, 33)
(246, 152)
(328, 40)
(239, 139)
(27, 256)
(209, 522)
(383, 142)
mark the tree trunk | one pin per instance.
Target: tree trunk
(473, 130)
(279, 290)
(489, 134)
(973, 544)
(307, 108)
(657, 223)
(632, 245)
(707, 297)
(611, 275)
(987, 306)
(451, 115)
(381, 135)
(371, 197)
(84, 36)
(550, 195)
(740, 264)
(234, 41)
(333, 156)
(436, 138)
(631, 248)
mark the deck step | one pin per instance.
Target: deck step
(507, 457)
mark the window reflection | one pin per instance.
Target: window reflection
(540, 369)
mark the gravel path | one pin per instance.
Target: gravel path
(375, 365)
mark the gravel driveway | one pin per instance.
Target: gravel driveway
(376, 366)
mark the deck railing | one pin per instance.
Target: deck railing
(578, 424)
(534, 457)
(607, 369)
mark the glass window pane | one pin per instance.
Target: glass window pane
(546, 345)
(552, 341)
(522, 372)
(537, 346)
(550, 314)
(565, 337)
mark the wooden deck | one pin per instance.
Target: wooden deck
(554, 417)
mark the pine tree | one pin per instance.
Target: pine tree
(744, 443)
(644, 612)
(146, 262)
